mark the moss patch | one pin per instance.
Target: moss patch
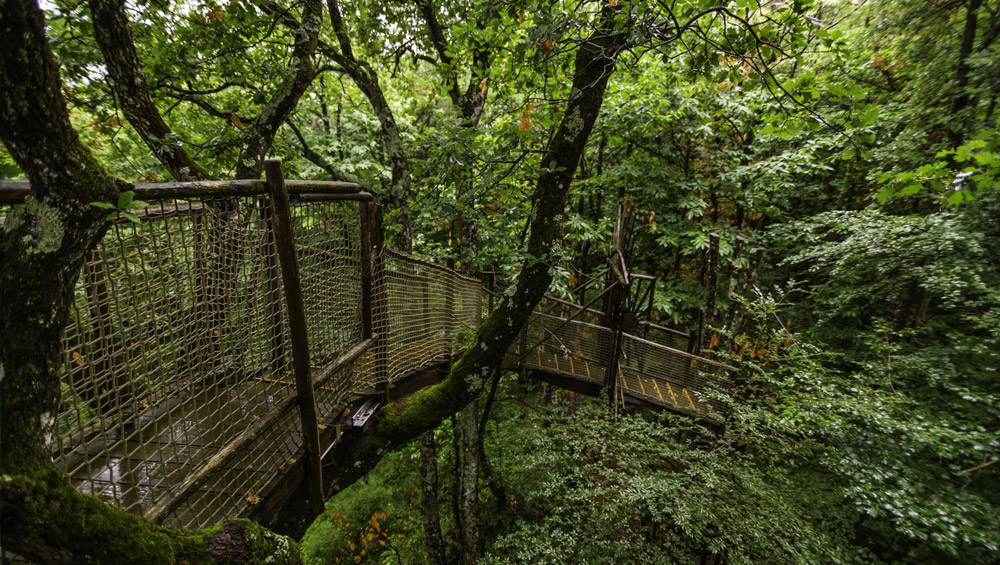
(46, 518)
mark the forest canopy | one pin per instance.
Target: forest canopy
(854, 144)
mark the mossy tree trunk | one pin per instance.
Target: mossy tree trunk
(42, 249)
(401, 422)
(43, 246)
(433, 542)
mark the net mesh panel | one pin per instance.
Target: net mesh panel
(672, 378)
(178, 342)
(427, 309)
(663, 336)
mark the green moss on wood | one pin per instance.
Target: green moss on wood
(46, 519)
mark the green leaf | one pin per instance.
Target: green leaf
(139, 204)
(986, 159)
(105, 205)
(869, 116)
(132, 217)
(125, 199)
(884, 194)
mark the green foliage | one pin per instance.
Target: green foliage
(588, 489)
(123, 206)
(371, 522)
(979, 160)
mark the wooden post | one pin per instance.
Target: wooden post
(284, 240)
(379, 296)
(366, 269)
(711, 274)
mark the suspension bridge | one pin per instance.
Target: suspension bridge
(242, 325)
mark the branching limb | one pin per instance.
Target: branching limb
(319, 161)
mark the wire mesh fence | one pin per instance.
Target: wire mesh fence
(556, 340)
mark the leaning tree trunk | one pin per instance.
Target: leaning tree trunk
(42, 249)
(433, 544)
(398, 423)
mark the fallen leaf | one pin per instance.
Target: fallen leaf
(252, 497)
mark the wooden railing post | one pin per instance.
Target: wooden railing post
(284, 239)
(379, 296)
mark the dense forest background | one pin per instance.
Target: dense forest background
(856, 142)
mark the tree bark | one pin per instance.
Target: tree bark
(433, 544)
(402, 421)
(42, 250)
(114, 37)
(711, 276)
(962, 98)
(471, 449)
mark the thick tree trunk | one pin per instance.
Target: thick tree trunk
(42, 250)
(400, 422)
(471, 450)
(433, 544)
(962, 98)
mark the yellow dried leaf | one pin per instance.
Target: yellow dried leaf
(547, 45)
(252, 497)
(213, 15)
(482, 88)
(77, 358)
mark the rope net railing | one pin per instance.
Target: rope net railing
(425, 309)
(179, 396)
(178, 342)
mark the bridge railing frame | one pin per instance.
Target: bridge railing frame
(167, 200)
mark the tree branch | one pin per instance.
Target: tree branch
(398, 423)
(319, 161)
(114, 37)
